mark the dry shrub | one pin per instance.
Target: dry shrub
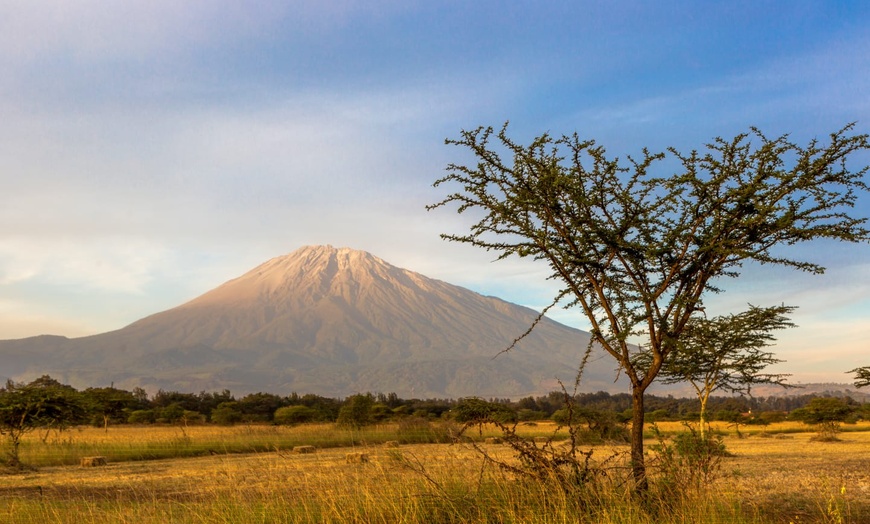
(687, 464)
(91, 462)
(356, 458)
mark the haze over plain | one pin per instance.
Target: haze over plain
(149, 152)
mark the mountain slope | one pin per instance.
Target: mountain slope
(328, 321)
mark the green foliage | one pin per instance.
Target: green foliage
(356, 412)
(292, 415)
(687, 463)
(260, 407)
(725, 353)
(227, 414)
(171, 414)
(108, 404)
(862, 376)
(43, 403)
(477, 410)
(826, 414)
(142, 416)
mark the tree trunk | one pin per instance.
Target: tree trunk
(638, 465)
(704, 399)
(15, 441)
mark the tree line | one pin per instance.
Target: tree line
(47, 403)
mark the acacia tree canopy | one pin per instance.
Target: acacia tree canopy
(726, 353)
(862, 376)
(637, 252)
(41, 403)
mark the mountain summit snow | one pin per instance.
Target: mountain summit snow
(332, 321)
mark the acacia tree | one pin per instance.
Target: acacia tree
(109, 403)
(862, 376)
(726, 353)
(826, 413)
(38, 404)
(637, 252)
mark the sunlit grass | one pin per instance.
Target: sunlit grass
(255, 477)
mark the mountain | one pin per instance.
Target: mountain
(327, 321)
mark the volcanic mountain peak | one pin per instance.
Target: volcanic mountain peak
(324, 320)
(308, 274)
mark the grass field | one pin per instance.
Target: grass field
(249, 474)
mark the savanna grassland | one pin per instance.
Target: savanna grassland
(205, 474)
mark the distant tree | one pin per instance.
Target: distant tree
(826, 413)
(356, 411)
(725, 353)
(227, 414)
(477, 410)
(43, 403)
(142, 416)
(172, 413)
(260, 406)
(206, 402)
(637, 252)
(109, 403)
(862, 376)
(292, 415)
(326, 408)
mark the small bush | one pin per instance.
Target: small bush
(688, 462)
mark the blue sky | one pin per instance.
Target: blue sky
(150, 151)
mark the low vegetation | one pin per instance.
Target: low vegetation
(759, 480)
(107, 455)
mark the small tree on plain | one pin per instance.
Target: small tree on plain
(108, 403)
(826, 414)
(726, 353)
(40, 404)
(637, 252)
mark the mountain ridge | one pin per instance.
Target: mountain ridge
(329, 321)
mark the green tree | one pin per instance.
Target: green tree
(826, 413)
(109, 403)
(862, 376)
(43, 403)
(477, 410)
(292, 415)
(725, 353)
(227, 413)
(637, 252)
(260, 406)
(356, 411)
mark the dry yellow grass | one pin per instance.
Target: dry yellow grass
(768, 480)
